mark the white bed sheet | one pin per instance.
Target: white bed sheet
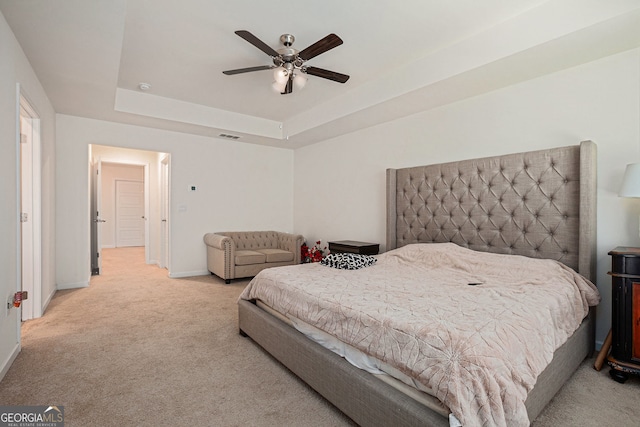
(357, 358)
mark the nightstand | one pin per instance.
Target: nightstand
(354, 247)
(624, 358)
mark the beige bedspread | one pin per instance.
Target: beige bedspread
(479, 349)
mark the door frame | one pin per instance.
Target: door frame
(109, 160)
(29, 250)
(165, 220)
(95, 219)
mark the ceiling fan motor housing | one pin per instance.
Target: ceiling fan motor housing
(287, 39)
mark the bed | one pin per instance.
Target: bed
(537, 204)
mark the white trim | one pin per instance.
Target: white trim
(189, 274)
(48, 300)
(73, 285)
(18, 282)
(7, 363)
(34, 309)
(165, 210)
(147, 211)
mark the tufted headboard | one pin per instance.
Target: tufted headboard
(539, 204)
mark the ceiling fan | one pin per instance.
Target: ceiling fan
(288, 60)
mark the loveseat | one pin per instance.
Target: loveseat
(238, 254)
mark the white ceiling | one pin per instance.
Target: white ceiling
(403, 57)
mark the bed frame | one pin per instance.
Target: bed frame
(539, 204)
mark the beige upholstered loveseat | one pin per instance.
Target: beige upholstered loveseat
(232, 255)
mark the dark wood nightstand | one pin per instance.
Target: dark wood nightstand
(354, 247)
(624, 358)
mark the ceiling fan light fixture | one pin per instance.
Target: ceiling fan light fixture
(281, 75)
(279, 86)
(299, 80)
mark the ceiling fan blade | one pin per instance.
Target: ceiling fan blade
(247, 70)
(257, 42)
(321, 46)
(326, 74)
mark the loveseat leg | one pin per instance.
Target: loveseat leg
(227, 281)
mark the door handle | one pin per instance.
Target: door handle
(164, 220)
(99, 220)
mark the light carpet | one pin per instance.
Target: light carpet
(138, 348)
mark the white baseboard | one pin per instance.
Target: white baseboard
(189, 274)
(47, 301)
(72, 285)
(7, 363)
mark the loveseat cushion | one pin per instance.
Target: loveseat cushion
(276, 255)
(250, 257)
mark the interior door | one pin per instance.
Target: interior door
(129, 213)
(164, 213)
(96, 220)
(26, 212)
(30, 209)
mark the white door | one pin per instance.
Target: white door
(129, 213)
(96, 220)
(30, 227)
(26, 211)
(164, 213)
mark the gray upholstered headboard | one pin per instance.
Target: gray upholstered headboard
(539, 204)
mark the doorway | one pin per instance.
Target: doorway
(129, 193)
(30, 210)
(164, 212)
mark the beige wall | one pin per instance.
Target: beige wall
(598, 101)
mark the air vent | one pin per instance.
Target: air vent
(226, 135)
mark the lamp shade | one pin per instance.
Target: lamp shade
(631, 182)
(279, 86)
(299, 81)
(281, 75)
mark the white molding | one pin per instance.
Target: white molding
(48, 300)
(145, 104)
(36, 203)
(78, 285)
(147, 212)
(184, 274)
(7, 363)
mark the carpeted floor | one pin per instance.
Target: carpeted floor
(138, 348)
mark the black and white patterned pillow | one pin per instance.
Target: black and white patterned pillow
(348, 261)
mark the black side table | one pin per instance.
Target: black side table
(625, 313)
(354, 247)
